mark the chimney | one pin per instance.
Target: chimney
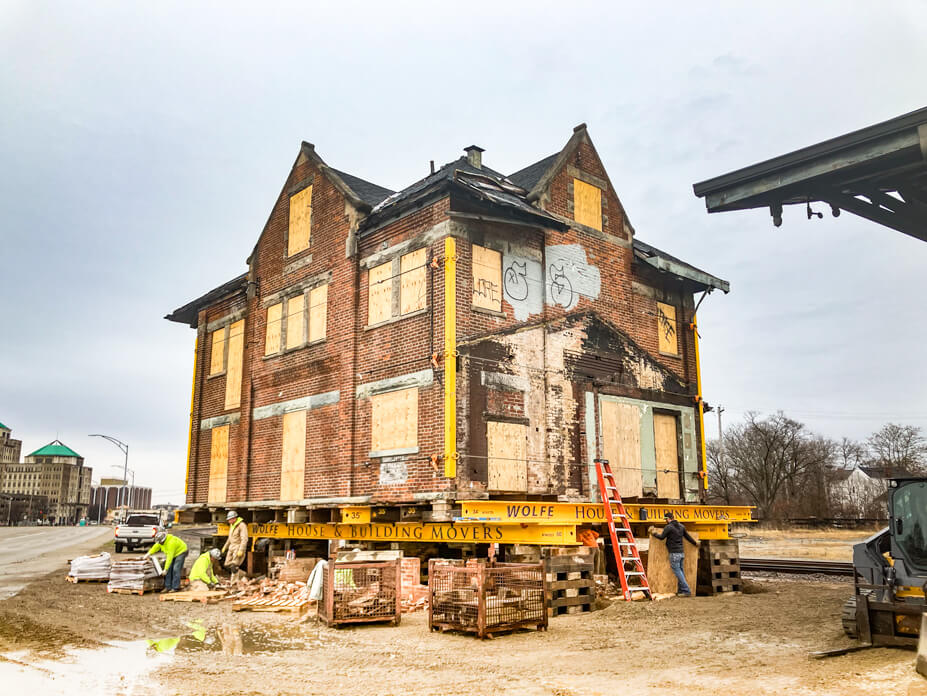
(474, 156)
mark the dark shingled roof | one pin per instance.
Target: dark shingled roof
(531, 175)
(188, 313)
(669, 263)
(368, 192)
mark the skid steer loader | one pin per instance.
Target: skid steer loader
(891, 572)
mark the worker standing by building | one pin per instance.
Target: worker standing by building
(236, 545)
(674, 533)
(203, 573)
(175, 554)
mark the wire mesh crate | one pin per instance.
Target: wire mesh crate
(360, 592)
(486, 598)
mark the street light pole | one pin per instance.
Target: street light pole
(125, 448)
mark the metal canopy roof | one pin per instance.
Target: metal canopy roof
(879, 173)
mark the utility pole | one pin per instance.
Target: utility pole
(720, 436)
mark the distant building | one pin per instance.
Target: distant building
(21, 507)
(56, 472)
(10, 449)
(110, 494)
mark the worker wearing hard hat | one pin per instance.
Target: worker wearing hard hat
(236, 545)
(175, 554)
(203, 573)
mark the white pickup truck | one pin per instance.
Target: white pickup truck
(137, 531)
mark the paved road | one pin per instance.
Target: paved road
(27, 553)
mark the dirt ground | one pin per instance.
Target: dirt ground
(750, 643)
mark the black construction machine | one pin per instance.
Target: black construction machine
(891, 572)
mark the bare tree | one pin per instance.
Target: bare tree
(850, 453)
(722, 488)
(898, 449)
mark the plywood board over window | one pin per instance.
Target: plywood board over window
(293, 461)
(272, 334)
(587, 204)
(233, 374)
(217, 357)
(295, 307)
(666, 441)
(380, 293)
(621, 445)
(507, 449)
(666, 328)
(412, 286)
(394, 420)
(487, 278)
(300, 221)
(318, 312)
(218, 464)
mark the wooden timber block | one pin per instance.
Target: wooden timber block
(71, 578)
(125, 590)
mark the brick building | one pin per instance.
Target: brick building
(10, 449)
(319, 371)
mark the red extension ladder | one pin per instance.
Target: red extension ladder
(624, 546)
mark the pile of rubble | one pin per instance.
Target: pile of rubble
(269, 589)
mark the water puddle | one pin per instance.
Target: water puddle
(125, 668)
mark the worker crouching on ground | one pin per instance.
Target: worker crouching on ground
(175, 554)
(674, 533)
(236, 545)
(203, 573)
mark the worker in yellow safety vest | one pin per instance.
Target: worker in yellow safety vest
(175, 554)
(203, 573)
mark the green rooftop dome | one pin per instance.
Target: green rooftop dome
(3, 427)
(55, 448)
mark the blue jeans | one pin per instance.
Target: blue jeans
(676, 561)
(172, 574)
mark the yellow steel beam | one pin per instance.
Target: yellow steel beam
(542, 535)
(509, 512)
(355, 514)
(701, 405)
(450, 357)
(186, 482)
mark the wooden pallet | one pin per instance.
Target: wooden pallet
(125, 590)
(74, 580)
(207, 597)
(718, 567)
(276, 605)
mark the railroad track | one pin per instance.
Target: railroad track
(787, 565)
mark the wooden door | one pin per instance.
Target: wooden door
(507, 448)
(621, 445)
(666, 439)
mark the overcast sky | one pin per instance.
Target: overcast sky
(143, 145)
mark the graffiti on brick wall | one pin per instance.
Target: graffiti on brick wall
(570, 276)
(526, 286)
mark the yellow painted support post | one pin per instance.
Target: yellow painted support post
(450, 358)
(701, 406)
(186, 483)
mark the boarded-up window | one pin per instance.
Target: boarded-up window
(318, 312)
(218, 464)
(272, 335)
(487, 278)
(666, 328)
(217, 357)
(587, 204)
(380, 293)
(233, 376)
(621, 445)
(666, 443)
(295, 321)
(507, 448)
(293, 465)
(300, 220)
(412, 288)
(394, 420)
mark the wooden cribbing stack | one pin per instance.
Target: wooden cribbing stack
(631, 571)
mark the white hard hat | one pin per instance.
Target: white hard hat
(215, 553)
(160, 537)
(231, 515)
